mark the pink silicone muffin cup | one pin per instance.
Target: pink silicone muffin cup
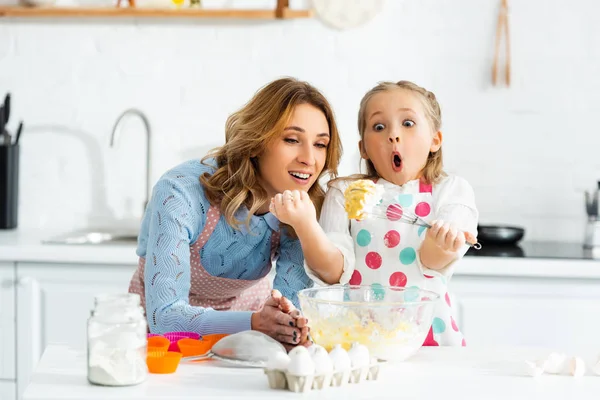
(175, 336)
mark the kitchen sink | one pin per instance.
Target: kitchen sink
(95, 237)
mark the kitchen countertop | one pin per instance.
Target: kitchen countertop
(433, 373)
(543, 259)
(27, 246)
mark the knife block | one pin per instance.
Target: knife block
(9, 186)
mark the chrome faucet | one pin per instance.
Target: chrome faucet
(148, 144)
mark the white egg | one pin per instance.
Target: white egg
(359, 355)
(597, 368)
(535, 369)
(278, 361)
(323, 363)
(576, 367)
(301, 363)
(298, 350)
(555, 363)
(340, 358)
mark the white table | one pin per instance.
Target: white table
(432, 374)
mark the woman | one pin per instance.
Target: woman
(208, 239)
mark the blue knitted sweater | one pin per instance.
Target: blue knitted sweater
(173, 220)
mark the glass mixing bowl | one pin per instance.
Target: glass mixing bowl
(392, 322)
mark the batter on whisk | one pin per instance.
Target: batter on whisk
(401, 143)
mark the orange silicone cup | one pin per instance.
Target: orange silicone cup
(214, 338)
(158, 343)
(193, 347)
(163, 362)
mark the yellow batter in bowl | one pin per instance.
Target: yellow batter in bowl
(378, 317)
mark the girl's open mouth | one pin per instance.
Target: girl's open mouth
(396, 162)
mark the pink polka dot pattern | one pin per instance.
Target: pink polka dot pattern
(422, 209)
(391, 239)
(373, 260)
(390, 242)
(398, 279)
(136, 285)
(356, 278)
(394, 212)
(215, 292)
(453, 323)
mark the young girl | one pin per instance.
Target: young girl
(207, 238)
(401, 142)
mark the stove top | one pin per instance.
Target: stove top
(560, 250)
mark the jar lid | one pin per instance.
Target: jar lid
(118, 299)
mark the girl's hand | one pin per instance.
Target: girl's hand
(284, 327)
(293, 208)
(448, 238)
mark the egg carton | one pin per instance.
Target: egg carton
(283, 380)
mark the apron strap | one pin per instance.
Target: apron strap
(425, 187)
(212, 217)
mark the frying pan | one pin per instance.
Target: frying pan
(499, 234)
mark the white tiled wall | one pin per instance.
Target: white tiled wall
(529, 151)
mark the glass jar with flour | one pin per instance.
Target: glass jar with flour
(116, 339)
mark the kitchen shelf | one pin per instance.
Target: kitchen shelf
(81, 12)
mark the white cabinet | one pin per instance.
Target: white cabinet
(53, 304)
(561, 314)
(8, 390)
(7, 322)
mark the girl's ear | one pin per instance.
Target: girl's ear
(361, 149)
(436, 142)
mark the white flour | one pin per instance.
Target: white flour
(119, 366)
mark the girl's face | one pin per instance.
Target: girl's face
(295, 160)
(398, 136)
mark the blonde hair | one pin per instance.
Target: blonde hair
(433, 169)
(248, 132)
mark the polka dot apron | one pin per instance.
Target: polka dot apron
(211, 291)
(386, 254)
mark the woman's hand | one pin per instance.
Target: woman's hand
(285, 327)
(301, 322)
(447, 237)
(293, 208)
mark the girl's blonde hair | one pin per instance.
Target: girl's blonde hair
(248, 132)
(433, 169)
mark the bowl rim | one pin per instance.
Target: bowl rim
(302, 294)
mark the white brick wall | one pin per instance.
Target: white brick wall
(529, 151)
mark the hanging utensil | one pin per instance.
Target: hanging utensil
(502, 32)
(244, 349)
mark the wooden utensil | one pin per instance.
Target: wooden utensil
(502, 30)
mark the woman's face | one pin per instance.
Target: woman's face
(295, 160)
